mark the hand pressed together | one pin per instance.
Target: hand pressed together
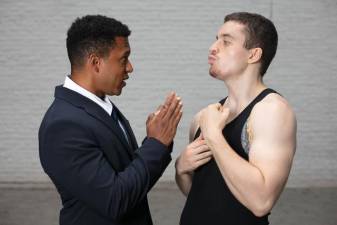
(162, 124)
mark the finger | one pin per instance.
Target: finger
(178, 108)
(158, 110)
(225, 111)
(178, 118)
(203, 155)
(196, 143)
(218, 106)
(215, 105)
(202, 161)
(177, 113)
(162, 111)
(150, 117)
(170, 97)
(200, 149)
(172, 107)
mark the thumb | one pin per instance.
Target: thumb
(158, 110)
(225, 112)
(150, 117)
(218, 106)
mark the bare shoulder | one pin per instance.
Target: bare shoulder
(274, 105)
(194, 126)
(273, 113)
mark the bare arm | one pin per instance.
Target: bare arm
(273, 125)
(195, 154)
(194, 127)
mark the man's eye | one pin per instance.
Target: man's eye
(124, 60)
(226, 42)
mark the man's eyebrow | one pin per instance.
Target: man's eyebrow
(225, 36)
(126, 53)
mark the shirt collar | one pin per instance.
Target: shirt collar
(105, 104)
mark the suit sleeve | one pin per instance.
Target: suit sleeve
(151, 160)
(71, 157)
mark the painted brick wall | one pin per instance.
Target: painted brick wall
(169, 52)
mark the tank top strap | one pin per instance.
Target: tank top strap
(258, 98)
(245, 114)
(263, 94)
(222, 101)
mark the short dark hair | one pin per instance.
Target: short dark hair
(260, 32)
(93, 34)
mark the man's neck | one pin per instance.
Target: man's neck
(242, 89)
(84, 81)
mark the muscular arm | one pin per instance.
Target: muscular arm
(258, 183)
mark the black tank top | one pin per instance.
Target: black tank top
(210, 202)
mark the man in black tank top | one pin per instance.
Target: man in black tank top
(242, 148)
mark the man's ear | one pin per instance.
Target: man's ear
(255, 55)
(94, 62)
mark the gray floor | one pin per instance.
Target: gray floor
(39, 206)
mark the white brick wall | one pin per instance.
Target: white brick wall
(169, 52)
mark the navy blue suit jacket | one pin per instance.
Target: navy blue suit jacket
(101, 179)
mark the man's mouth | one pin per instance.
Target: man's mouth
(124, 79)
(211, 59)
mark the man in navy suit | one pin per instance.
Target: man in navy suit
(87, 146)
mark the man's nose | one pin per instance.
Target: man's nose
(213, 50)
(129, 67)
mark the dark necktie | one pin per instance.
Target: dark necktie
(115, 118)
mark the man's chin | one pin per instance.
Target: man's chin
(115, 92)
(212, 73)
(118, 93)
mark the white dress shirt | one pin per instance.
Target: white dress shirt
(105, 104)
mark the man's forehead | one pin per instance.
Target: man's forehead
(122, 42)
(231, 29)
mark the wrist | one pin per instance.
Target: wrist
(213, 139)
(177, 166)
(159, 140)
(179, 170)
(213, 135)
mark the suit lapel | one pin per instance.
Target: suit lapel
(128, 128)
(107, 120)
(94, 110)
